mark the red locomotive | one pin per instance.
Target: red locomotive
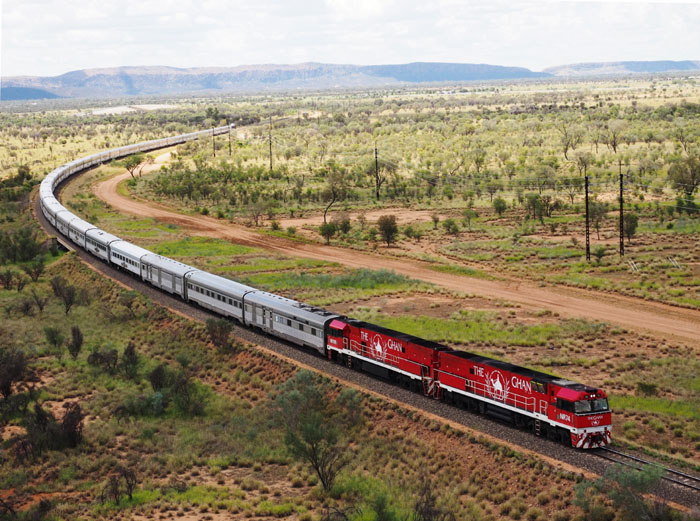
(562, 410)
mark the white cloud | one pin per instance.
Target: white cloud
(48, 37)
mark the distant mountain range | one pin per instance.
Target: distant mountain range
(145, 81)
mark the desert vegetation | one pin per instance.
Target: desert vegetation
(122, 408)
(113, 407)
(493, 178)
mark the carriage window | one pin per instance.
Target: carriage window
(313, 331)
(301, 327)
(289, 323)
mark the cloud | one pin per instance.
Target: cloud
(46, 37)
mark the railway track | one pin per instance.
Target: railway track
(671, 475)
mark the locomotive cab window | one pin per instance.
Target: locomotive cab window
(565, 405)
(588, 406)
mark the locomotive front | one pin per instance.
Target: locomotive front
(587, 412)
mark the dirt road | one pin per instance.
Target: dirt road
(634, 314)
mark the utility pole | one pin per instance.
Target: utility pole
(376, 169)
(229, 140)
(269, 135)
(588, 229)
(213, 143)
(376, 160)
(622, 219)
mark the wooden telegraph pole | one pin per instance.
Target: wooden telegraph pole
(588, 228)
(622, 217)
(269, 136)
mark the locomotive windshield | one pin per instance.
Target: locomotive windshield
(586, 406)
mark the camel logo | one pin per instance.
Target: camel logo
(379, 350)
(595, 420)
(497, 386)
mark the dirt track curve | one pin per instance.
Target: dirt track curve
(631, 313)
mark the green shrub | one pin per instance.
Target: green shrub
(647, 388)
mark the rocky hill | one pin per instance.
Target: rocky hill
(121, 81)
(157, 80)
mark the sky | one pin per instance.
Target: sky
(47, 38)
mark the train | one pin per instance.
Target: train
(571, 413)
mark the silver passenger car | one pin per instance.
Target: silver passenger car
(165, 273)
(287, 318)
(127, 256)
(63, 220)
(51, 208)
(97, 242)
(77, 230)
(217, 293)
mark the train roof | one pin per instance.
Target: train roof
(66, 216)
(520, 370)
(290, 307)
(101, 236)
(81, 225)
(169, 265)
(218, 283)
(53, 204)
(45, 190)
(127, 248)
(397, 334)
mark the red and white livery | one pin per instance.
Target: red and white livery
(562, 410)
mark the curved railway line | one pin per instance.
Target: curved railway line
(569, 459)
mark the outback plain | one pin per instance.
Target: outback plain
(456, 214)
